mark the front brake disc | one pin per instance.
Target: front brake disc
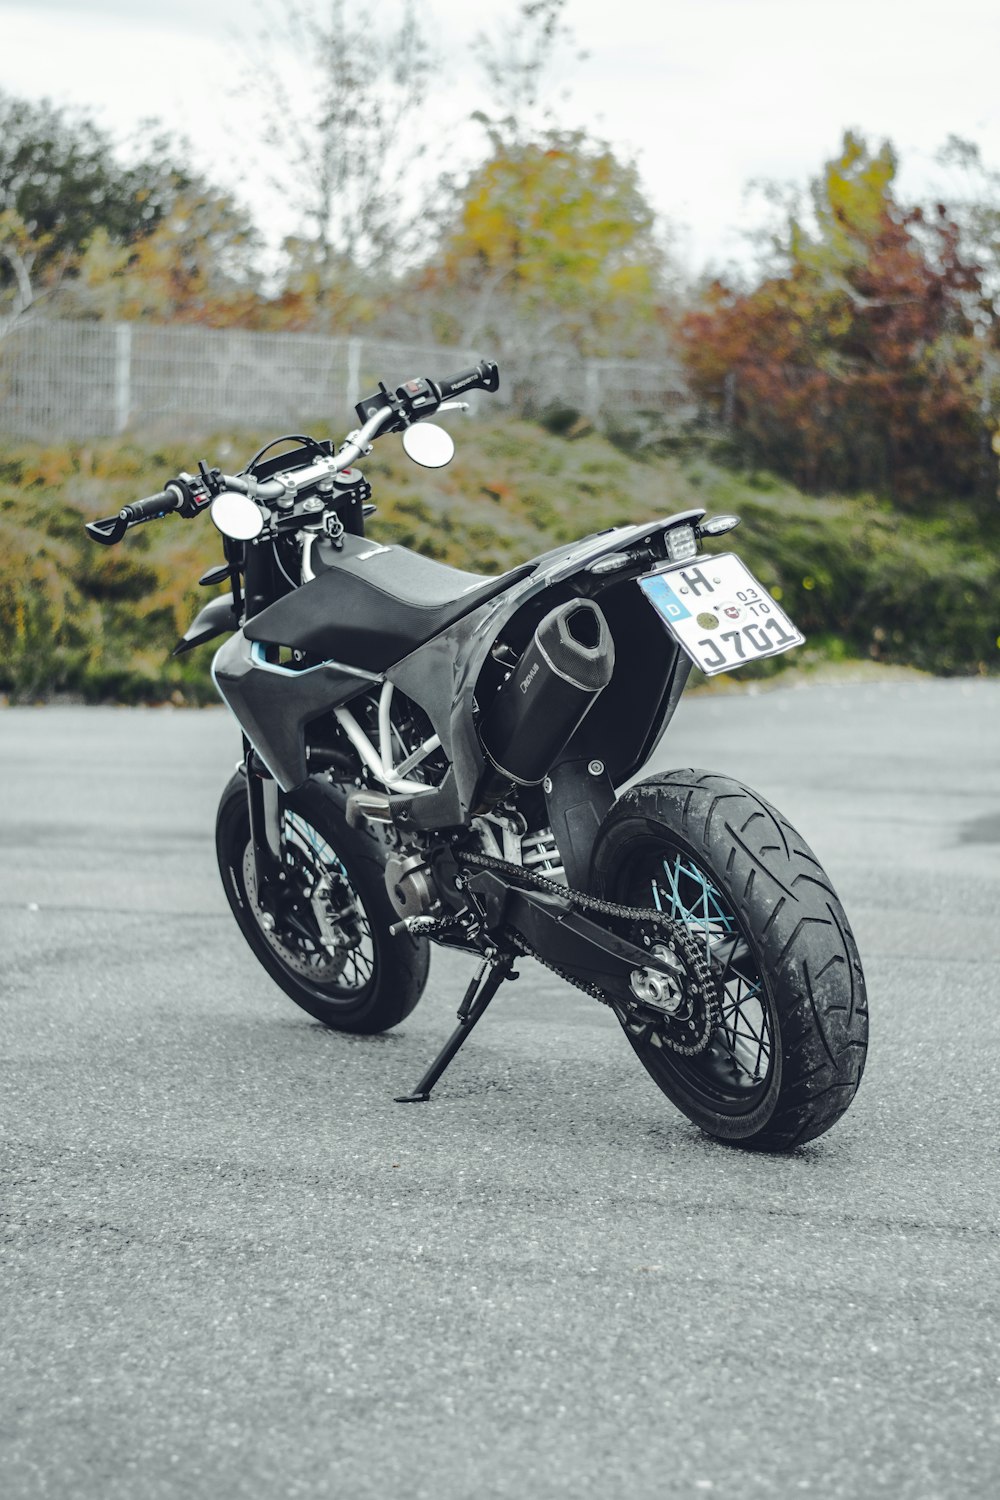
(297, 938)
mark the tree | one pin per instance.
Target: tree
(853, 363)
(553, 239)
(198, 265)
(59, 173)
(19, 252)
(549, 245)
(348, 141)
(974, 205)
(519, 62)
(149, 238)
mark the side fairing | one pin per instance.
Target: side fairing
(211, 620)
(441, 677)
(274, 704)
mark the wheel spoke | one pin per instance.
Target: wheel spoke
(739, 1025)
(687, 894)
(694, 901)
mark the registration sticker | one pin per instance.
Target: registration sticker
(719, 614)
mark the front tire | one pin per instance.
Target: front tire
(332, 953)
(787, 1057)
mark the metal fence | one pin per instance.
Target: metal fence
(77, 380)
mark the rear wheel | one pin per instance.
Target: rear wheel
(785, 1059)
(329, 948)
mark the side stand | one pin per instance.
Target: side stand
(477, 997)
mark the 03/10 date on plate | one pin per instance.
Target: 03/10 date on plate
(719, 614)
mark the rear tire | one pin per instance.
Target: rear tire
(787, 1058)
(367, 981)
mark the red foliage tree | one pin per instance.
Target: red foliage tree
(856, 364)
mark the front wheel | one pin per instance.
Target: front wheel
(786, 1056)
(330, 948)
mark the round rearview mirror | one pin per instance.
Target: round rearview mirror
(429, 445)
(237, 516)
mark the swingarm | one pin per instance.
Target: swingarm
(566, 940)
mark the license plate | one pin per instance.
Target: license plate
(719, 614)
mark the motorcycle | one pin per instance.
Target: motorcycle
(437, 756)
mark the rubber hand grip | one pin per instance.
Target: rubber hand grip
(485, 377)
(153, 506)
(113, 528)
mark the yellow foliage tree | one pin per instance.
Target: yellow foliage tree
(20, 251)
(196, 266)
(557, 232)
(322, 292)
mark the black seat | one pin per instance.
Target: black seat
(369, 606)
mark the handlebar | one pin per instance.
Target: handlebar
(358, 443)
(159, 504)
(190, 496)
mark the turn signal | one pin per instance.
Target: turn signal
(716, 525)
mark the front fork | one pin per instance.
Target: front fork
(264, 805)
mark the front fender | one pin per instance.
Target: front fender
(218, 617)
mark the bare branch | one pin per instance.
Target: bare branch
(346, 155)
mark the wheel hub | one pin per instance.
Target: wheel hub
(663, 991)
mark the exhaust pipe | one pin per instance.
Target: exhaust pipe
(567, 663)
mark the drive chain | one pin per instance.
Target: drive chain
(700, 988)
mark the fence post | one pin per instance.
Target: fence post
(353, 373)
(123, 375)
(592, 390)
(729, 401)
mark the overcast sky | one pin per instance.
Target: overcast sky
(704, 94)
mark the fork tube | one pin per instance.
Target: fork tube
(264, 826)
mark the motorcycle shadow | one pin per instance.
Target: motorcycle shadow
(516, 1085)
(344, 1038)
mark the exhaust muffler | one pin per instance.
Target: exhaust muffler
(567, 663)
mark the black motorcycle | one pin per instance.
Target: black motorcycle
(438, 756)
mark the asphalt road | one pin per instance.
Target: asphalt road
(232, 1266)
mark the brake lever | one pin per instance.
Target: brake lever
(108, 531)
